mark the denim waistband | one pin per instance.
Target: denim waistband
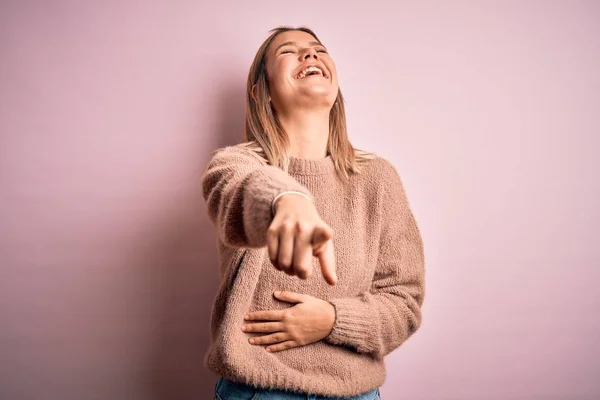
(226, 388)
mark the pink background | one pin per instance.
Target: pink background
(108, 114)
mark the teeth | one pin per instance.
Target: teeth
(309, 70)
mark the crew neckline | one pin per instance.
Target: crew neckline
(303, 166)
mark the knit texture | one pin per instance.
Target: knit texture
(379, 264)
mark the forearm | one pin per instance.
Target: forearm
(239, 191)
(379, 320)
(375, 323)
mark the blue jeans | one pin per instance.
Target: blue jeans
(226, 389)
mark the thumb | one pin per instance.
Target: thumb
(290, 297)
(321, 236)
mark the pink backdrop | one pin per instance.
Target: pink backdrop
(108, 114)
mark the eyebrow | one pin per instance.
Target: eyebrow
(296, 44)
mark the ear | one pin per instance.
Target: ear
(253, 92)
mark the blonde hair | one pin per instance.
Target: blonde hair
(264, 133)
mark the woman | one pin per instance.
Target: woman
(321, 259)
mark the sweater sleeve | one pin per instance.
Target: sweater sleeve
(238, 188)
(379, 320)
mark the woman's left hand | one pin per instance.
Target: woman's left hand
(309, 321)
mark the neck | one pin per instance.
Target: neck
(308, 132)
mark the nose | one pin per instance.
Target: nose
(310, 53)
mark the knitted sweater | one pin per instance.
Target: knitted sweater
(379, 264)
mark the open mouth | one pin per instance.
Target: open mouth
(311, 71)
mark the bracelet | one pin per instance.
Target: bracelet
(283, 194)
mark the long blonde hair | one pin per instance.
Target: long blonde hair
(264, 133)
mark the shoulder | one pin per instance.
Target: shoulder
(249, 152)
(388, 191)
(377, 168)
(381, 179)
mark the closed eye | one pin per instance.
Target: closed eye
(287, 51)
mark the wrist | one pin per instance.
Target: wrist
(282, 194)
(332, 317)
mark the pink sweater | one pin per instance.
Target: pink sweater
(379, 264)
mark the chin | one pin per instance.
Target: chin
(319, 90)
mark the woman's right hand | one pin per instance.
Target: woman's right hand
(297, 234)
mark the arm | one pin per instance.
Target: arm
(381, 319)
(239, 188)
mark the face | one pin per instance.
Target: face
(300, 72)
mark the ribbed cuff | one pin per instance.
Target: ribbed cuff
(354, 324)
(262, 188)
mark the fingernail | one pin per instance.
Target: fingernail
(244, 328)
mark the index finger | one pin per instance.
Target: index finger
(268, 315)
(327, 262)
